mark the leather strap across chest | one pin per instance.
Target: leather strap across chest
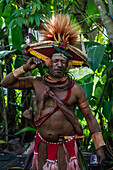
(46, 116)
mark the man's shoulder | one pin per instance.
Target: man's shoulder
(37, 78)
(34, 78)
(76, 86)
(77, 89)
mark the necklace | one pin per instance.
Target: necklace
(50, 79)
(67, 84)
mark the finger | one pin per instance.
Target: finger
(100, 161)
(30, 60)
(34, 59)
(38, 61)
(34, 66)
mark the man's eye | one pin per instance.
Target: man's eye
(55, 61)
(63, 62)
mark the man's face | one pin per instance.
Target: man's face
(58, 66)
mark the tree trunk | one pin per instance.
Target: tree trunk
(106, 20)
(110, 5)
(11, 97)
(3, 115)
(108, 24)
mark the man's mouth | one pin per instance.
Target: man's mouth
(58, 70)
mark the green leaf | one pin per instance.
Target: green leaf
(76, 4)
(108, 48)
(7, 11)
(2, 123)
(31, 18)
(33, 8)
(106, 133)
(98, 92)
(24, 21)
(2, 142)
(15, 13)
(20, 108)
(18, 62)
(16, 105)
(91, 11)
(6, 14)
(19, 22)
(2, 5)
(90, 78)
(90, 44)
(7, 1)
(108, 68)
(23, 13)
(1, 22)
(37, 19)
(95, 55)
(5, 52)
(105, 61)
(26, 129)
(11, 23)
(17, 38)
(88, 89)
(91, 8)
(107, 110)
(38, 4)
(87, 78)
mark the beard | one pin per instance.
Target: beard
(57, 72)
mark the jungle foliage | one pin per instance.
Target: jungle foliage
(22, 18)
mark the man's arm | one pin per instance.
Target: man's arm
(13, 79)
(92, 123)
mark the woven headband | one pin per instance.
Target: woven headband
(60, 54)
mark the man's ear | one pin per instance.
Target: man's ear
(70, 65)
(48, 62)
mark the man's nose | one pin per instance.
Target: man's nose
(59, 64)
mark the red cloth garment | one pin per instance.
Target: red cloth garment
(53, 147)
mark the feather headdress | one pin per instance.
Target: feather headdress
(60, 35)
(61, 30)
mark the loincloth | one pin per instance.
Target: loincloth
(68, 144)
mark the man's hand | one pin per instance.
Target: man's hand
(100, 155)
(31, 64)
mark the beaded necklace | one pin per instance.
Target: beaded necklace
(49, 81)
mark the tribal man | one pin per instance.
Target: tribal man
(57, 96)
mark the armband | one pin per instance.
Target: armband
(83, 105)
(98, 140)
(22, 83)
(18, 72)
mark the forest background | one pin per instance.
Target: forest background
(20, 22)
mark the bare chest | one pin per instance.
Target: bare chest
(42, 93)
